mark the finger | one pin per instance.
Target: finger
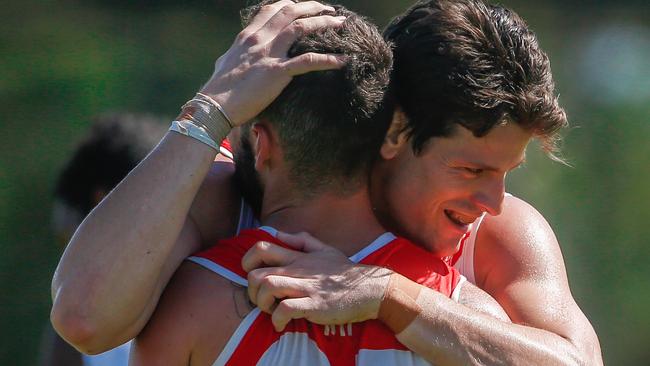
(255, 278)
(265, 13)
(302, 241)
(288, 14)
(308, 62)
(264, 254)
(289, 309)
(299, 27)
(274, 289)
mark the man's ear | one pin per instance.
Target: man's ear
(262, 142)
(397, 136)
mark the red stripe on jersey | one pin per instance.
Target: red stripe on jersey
(333, 342)
(228, 253)
(226, 144)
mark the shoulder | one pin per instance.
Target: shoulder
(185, 318)
(516, 244)
(215, 209)
(518, 262)
(225, 258)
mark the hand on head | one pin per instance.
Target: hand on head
(253, 72)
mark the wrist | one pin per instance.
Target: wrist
(203, 119)
(223, 98)
(374, 286)
(399, 307)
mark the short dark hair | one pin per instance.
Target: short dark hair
(114, 146)
(470, 63)
(331, 124)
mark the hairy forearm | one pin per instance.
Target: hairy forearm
(118, 258)
(446, 333)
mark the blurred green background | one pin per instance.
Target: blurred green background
(62, 62)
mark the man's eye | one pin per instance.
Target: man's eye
(473, 170)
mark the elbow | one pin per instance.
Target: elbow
(76, 330)
(584, 354)
(587, 351)
(592, 357)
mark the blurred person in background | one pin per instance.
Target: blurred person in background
(473, 88)
(115, 144)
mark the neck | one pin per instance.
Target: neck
(346, 223)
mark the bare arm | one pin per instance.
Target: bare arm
(119, 260)
(548, 326)
(185, 329)
(518, 262)
(531, 284)
(123, 253)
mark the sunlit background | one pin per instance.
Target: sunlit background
(62, 62)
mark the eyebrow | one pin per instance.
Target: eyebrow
(493, 169)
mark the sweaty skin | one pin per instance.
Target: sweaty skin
(117, 264)
(185, 317)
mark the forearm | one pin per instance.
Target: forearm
(447, 333)
(114, 263)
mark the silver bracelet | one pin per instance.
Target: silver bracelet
(214, 102)
(207, 116)
(189, 129)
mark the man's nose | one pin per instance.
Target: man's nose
(489, 197)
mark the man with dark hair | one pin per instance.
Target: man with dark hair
(301, 159)
(115, 144)
(473, 87)
(481, 89)
(464, 68)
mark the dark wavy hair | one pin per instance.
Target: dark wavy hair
(470, 63)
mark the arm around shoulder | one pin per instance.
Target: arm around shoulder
(518, 261)
(111, 275)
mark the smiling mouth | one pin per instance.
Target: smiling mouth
(459, 220)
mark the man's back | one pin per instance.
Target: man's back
(255, 342)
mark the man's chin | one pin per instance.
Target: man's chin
(440, 247)
(445, 248)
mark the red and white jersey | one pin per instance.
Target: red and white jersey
(255, 342)
(225, 149)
